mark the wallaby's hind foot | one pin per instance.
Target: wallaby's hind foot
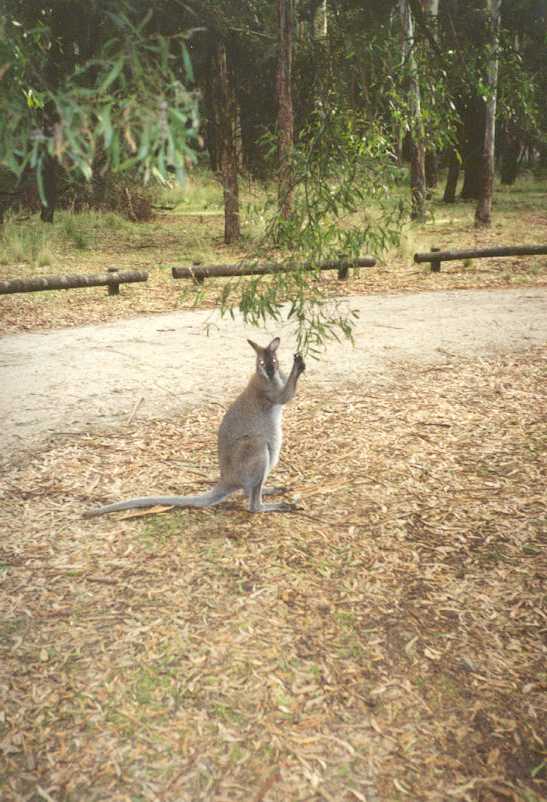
(279, 506)
(257, 505)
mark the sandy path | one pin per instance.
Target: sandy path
(79, 379)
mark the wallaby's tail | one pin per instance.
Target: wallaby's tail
(209, 499)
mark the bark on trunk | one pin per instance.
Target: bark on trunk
(417, 181)
(226, 146)
(431, 9)
(510, 159)
(49, 179)
(210, 99)
(472, 147)
(431, 168)
(285, 114)
(320, 21)
(483, 214)
(252, 129)
(417, 165)
(452, 177)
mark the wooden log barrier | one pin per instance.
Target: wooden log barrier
(436, 256)
(198, 273)
(112, 280)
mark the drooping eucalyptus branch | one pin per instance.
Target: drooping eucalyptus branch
(130, 104)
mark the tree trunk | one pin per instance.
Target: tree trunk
(49, 179)
(483, 214)
(472, 147)
(253, 128)
(320, 21)
(417, 164)
(210, 101)
(431, 9)
(452, 177)
(510, 159)
(431, 168)
(417, 181)
(226, 147)
(285, 114)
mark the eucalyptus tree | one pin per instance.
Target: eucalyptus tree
(522, 109)
(483, 212)
(417, 133)
(83, 82)
(285, 114)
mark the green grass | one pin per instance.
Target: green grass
(28, 243)
(201, 193)
(77, 232)
(39, 245)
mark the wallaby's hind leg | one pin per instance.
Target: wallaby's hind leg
(254, 487)
(257, 505)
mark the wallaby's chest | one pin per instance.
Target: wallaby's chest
(262, 419)
(275, 437)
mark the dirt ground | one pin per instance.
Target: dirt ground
(78, 379)
(384, 643)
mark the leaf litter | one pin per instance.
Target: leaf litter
(385, 642)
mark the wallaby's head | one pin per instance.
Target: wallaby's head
(266, 360)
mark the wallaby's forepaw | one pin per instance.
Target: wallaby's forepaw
(299, 363)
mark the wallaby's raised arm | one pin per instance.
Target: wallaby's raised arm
(249, 440)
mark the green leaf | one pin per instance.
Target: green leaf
(112, 75)
(106, 123)
(188, 69)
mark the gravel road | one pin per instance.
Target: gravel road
(81, 379)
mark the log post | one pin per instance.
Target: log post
(114, 287)
(343, 270)
(199, 279)
(435, 263)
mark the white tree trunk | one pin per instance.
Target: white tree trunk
(417, 166)
(320, 21)
(431, 7)
(483, 214)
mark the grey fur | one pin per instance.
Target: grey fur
(249, 441)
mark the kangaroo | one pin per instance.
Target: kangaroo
(249, 441)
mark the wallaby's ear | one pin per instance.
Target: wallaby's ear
(274, 345)
(256, 347)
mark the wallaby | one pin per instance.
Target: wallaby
(249, 440)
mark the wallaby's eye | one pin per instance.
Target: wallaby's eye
(261, 362)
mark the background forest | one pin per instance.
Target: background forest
(335, 121)
(303, 91)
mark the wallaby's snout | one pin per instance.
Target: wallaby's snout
(266, 360)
